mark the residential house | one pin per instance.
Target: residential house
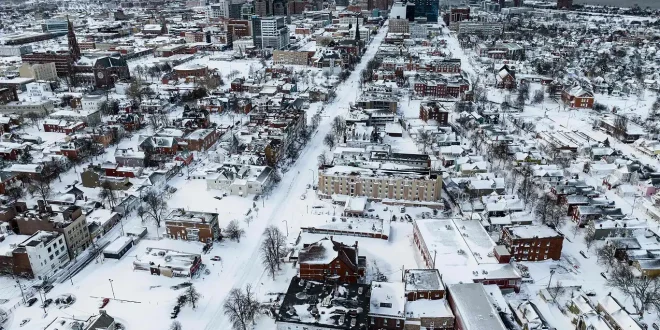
(327, 260)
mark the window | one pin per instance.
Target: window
(51, 257)
(49, 249)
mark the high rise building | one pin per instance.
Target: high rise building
(265, 8)
(564, 4)
(427, 9)
(270, 32)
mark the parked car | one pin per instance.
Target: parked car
(216, 258)
(31, 302)
(403, 209)
(46, 303)
(104, 302)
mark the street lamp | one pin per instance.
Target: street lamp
(552, 272)
(113, 289)
(287, 227)
(311, 170)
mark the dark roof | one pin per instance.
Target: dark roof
(104, 321)
(343, 304)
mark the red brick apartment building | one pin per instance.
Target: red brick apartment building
(330, 260)
(440, 88)
(202, 139)
(532, 243)
(193, 226)
(434, 111)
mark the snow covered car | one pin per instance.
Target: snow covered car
(216, 258)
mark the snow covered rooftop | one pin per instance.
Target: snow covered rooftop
(117, 245)
(532, 231)
(387, 299)
(423, 280)
(430, 308)
(617, 313)
(101, 216)
(475, 308)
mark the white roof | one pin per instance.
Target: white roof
(387, 299)
(532, 231)
(118, 244)
(618, 314)
(475, 308)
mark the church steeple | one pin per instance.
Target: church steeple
(357, 28)
(74, 49)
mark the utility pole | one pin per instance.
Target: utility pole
(20, 287)
(113, 289)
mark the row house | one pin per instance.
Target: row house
(202, 139)
(62, 126)
(443, 88)
(452, 65)
(129, 121)
(12, 150)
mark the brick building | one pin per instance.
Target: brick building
(330, 260)
(63, 61)
(7, 95)
(380, 184)
(71, 222)
(434, 111)
(532, 243)
(287, 57)
(202, 139)
(193, 226)
(578, 97)
(441, 87)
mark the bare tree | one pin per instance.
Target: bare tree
(556, 291)
(40, 187)
(135, 91)
(241, 307)
(557, 216)
(644, 291)
(544, 207)
(176, 325)
(155, 208)
(273, 249)
(322, 159)
(539, 96)
(192, 296)
(589, 238)
(316, 120)
(339, 126)
(14, 193)
(607, 253)
(141, 212)
(108, 194)
(621, 125)
(329, 140)
(234, 231)
(425, 139)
